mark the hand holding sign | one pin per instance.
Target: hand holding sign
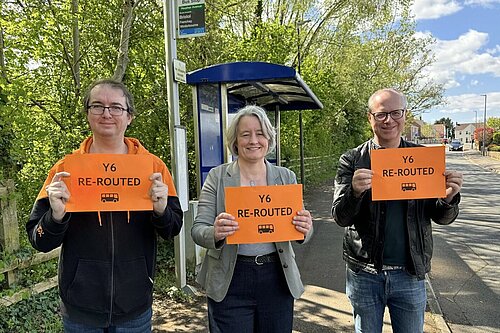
(361, 181)
(58, 194)
(454, 182)
(158, 193)
(224, 226)
(303, 221)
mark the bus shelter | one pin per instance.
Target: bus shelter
(220, 90)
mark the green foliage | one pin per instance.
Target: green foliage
(165, 267)
(494, 122)
(38, 273)
(428, 131)
(27, 276)
(496, 138)
(36, 314)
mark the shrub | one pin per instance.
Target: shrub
(496, 138)
(493, 147)
(39, 313)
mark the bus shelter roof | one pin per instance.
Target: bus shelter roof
(265, 84)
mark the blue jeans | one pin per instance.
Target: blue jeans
(258, 300)
(402, 293)
(140, 324)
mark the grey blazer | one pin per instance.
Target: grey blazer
(218, 266)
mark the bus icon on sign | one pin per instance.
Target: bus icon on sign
(408, 187)
(113, 197)
(266, 228)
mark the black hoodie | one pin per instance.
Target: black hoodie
(107, 261)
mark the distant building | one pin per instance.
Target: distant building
(420, 132)
(414, 131)
(440, 131)
(465, 132)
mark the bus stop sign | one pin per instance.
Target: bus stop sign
(191, 18)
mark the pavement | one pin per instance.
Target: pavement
(486, 162)
(324, 307)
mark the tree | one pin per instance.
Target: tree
(494, 122)
(448, 123)
(49, 50)
(488, 135)
(428, 131)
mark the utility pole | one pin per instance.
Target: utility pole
(475, 126)
(484, 127)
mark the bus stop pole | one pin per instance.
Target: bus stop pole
(277, 124)
(169, 8)
(301, 139)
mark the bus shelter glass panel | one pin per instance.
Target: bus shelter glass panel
(271, 157)
(210, 128)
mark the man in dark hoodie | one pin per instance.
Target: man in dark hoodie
(107, 261)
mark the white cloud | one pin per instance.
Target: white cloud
(494, 50)
(467, 62)
(462, 56)
(482, 3)
(465, 108)
(433, 9)
(469, 103)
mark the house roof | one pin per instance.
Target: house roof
(461, 127)
(418, 122)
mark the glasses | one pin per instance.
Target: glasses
(113, 110)
(382, 116)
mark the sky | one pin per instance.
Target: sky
(467, 53)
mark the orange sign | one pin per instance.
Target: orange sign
(408, 173)
(108, 182)
(264, 213)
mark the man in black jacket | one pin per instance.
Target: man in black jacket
(107, 262)
(387, 244)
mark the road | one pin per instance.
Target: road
(466, 261)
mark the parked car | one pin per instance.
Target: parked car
(456, 145)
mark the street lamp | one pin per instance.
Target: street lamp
(484, 127)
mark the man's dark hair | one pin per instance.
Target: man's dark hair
(113, 84)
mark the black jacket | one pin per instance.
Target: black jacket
(364, 219)
(107, 261)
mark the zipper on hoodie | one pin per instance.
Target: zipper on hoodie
(112, 268)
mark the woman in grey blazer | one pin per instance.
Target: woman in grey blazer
(250, 287)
